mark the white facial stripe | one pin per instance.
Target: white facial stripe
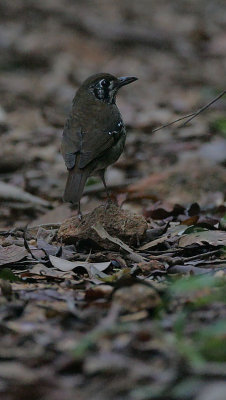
(111, 85)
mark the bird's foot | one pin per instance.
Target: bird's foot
(108, 203)
(80, 216)
(79, 212)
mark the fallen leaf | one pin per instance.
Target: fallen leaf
(194, 229)
(173, 231)
(42, 270)
(11, 254)
(48, 248)
(105, 235)
(65, 265)
(154, 242)
(194, 210)
(215, 238)
(189, 221)
(158, 212)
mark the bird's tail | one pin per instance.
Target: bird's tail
(75, 185)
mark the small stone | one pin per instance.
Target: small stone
(32, 242)
(128, 227)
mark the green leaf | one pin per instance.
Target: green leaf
(223, 253)
(211, 341)
(8, 275)
(192, 284)
(217, 329)
(223, 223)
(220, 125)
(187, 388)
(92, 181)
(193, 229)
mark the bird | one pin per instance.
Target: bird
(94, 133)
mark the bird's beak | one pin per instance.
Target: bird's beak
(125, 80)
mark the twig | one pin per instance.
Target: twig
(26, 245)
(148, 253)
(209, 262)
(204, 108)
(183, 260)
(191, 115)
(173, 122)
(203, 255)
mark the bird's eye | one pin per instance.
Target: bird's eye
(104, 83)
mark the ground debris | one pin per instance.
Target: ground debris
(118, 223)
(135, 307)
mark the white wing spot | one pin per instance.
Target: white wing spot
(111, 133)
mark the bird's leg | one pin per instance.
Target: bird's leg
(79, 211)
(101, 173)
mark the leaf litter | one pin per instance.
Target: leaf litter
(110, 304)
(113, 313)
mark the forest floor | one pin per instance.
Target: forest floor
(130, 302)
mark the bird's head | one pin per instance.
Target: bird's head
(105, 86)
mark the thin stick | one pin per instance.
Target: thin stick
(173, 122)
(191, 115)
(204, 108)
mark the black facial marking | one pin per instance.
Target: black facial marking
(104, 83)
(104, 91)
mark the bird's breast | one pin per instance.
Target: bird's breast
(111, 155)
(93, 115)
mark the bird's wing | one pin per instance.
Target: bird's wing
(95, 144)
(89, 145)
(71, 142)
